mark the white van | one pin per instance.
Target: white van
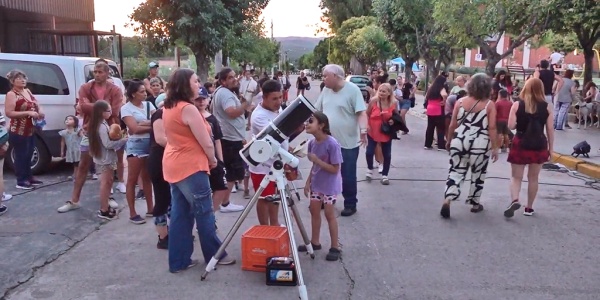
(54, 81)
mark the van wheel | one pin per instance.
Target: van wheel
(40, 160)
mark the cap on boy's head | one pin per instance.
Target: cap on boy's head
(203, 93)
(152, 65)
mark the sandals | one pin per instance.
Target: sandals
(333, 255)
(302, 248)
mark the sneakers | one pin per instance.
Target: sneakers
(27, 186)
(112, 203)
(192, 264)
(94, 177)
(231, 208)
(140, 195)
(348, 212)
(69, 206)
(137, 220)
(226, 261)
(380, 169)
(163, 243)
(333, 255)
(121, 187)
(385, 180)
(6, 197)
(235, 188)
(510, 211)
(3, 209)
(35, 182)
(528, 211)
(110, 215)
(369, 175)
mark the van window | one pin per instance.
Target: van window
(88, 70)
(42, 78)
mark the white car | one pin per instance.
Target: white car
(54, 81)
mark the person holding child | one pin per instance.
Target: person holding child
(104, 153)
(324, 182)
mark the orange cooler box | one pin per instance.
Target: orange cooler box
(261, 242)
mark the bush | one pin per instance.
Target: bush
(135, 68)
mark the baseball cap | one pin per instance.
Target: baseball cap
(203, 93)
(152, 65)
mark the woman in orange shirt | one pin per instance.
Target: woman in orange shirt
(189, 156)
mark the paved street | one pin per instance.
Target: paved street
(396, 246)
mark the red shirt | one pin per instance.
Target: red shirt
(503, 110)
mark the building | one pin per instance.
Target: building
(524, 55)
(48, 27)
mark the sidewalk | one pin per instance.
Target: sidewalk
(563, 145)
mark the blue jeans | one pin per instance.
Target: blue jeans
(23, 146)
(191, 201)
(386, 148)
(349, 189)
(561, 111)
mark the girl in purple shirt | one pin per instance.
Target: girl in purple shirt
(324, 182)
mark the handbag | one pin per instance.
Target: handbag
(385, 127)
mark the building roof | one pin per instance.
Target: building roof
(72, 9)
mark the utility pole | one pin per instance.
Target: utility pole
(272, 40)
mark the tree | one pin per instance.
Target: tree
(320, 54)
(340, 51)
(581, 17)
(201, 25)
(306, 61)
(336, 12)
(399, 30)
(563, 42)
(485, 22)
(370, 45)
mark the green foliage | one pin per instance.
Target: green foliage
(320, 53)
(564, 42)
(370, 45)
(306, 61)
(340, 51)
(477, 22)
(201, 25)
(336, 12)
(135, 68)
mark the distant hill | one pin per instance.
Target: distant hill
(297, 46)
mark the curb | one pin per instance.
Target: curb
(577, 164)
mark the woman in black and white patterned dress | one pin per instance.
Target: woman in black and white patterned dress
(471, 136)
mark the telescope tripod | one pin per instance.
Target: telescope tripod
(275, 175)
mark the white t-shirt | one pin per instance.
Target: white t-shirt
(260, 119)
(341, 109)
(247, 88)
(257, 99)
(139, 114)
(555, 58)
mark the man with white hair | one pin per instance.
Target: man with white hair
(344, 105)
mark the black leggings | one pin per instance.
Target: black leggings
(162, 189)
(436, 123)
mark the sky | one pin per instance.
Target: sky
(288, 20)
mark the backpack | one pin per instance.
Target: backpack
(533, 138)
(582, 148)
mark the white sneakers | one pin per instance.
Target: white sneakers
(231, 208)
(6, 197)
(69, 206)
(121, 187)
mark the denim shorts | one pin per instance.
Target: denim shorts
(138, 147)
(404, 104)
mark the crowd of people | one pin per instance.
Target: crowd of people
(181, 139)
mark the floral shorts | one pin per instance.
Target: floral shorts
(327, 199)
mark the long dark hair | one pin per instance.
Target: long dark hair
(322, 119)
(132, 88)
(434, 91)
(98, 110)
(178, 88)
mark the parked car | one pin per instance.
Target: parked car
(54, 81)
(361, 81)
